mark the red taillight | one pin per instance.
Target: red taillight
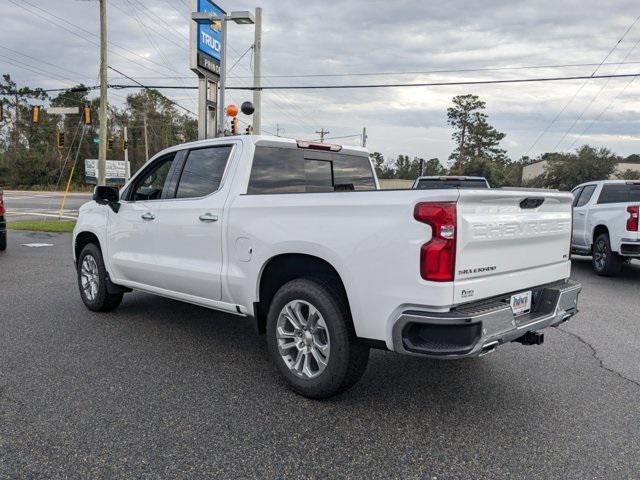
(438, 256)
(632, 221)
(1, 204)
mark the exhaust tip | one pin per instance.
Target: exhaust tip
(488, 348)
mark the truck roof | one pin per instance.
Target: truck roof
(608, 182)
(267, 140)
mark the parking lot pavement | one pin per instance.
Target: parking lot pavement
(26, 205)
(161, 389)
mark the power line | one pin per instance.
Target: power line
(148, 88)
(588, 127)
(584, 110)
(423, 72)
(403, 85)
(566, 105)
(373, 85)
(427, 72)
(92, 34)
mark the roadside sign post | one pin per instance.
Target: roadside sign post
(115, 174)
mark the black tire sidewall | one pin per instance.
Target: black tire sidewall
(613, 264)
(332, 378)
(98, 303)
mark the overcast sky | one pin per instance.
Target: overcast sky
(150, 43)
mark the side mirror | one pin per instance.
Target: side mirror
(107, 196)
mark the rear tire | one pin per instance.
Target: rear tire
(311, 339)
(605, 262)
(92, 281)
(3, 241)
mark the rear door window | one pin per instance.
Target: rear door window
(576, 195)
(202, 171)
(585, 196)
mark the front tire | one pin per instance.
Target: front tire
(605, 262)
(92, 281)
(311, 339)
(3, 241)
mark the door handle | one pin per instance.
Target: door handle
(208, 217)
(581, 214)
(147, 216)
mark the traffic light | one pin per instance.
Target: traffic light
(60, 140)
(1, 112)
(125, 145)
(234, 126)
(110, 143)
(248, 130)
(35, 113)
(86, 115)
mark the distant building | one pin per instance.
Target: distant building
(535, 169)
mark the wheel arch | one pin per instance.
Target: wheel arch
(597, 231)
(83, 239)
(285, 267)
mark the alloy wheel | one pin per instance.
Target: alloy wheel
(303, 339)
(89, 277)
(600, 255)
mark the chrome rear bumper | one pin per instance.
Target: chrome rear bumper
(475, 329)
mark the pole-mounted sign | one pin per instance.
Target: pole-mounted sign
(206, 40)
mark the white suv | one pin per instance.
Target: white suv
(605, 223)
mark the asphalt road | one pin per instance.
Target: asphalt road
(160, 389)
(24, 205)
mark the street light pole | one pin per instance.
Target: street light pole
(223, 77)
(257, 73)
(102, 149)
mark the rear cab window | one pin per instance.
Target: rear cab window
(620, 193)
(296, 170)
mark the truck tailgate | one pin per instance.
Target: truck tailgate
(509, 240)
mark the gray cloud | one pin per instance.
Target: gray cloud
(305, 37)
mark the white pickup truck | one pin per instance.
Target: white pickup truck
(605, 223)
(298, 237)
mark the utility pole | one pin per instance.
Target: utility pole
(146, 137)
(257, 72)
(364, 136)
(278, 130)
(322, 133)
(102, 151)
(127, 167)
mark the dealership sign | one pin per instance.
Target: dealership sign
(116, 171)
(207, 39)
